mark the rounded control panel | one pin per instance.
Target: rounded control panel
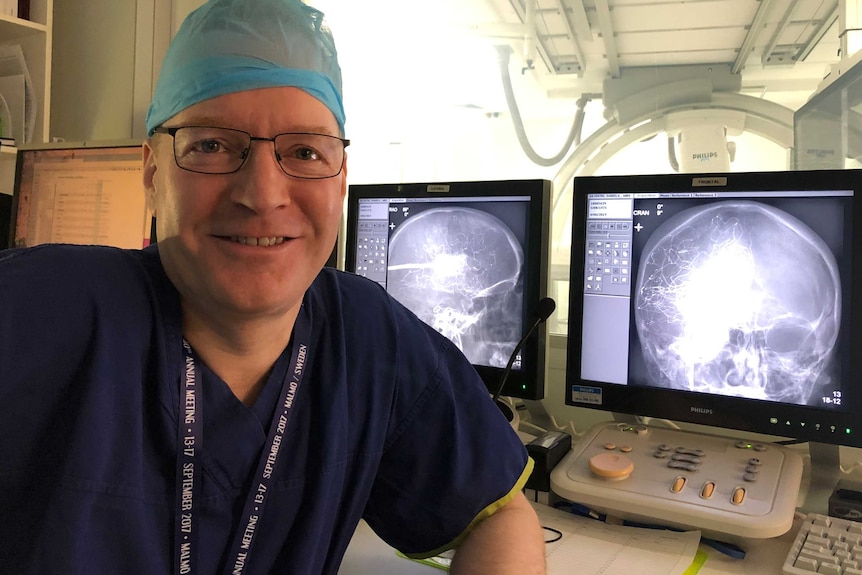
(660, 473)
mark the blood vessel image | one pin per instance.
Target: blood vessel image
(738, 298)
(459, 269)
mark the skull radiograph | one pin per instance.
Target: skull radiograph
(459, 270)
(738, 298)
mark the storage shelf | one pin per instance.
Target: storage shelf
(13, 28)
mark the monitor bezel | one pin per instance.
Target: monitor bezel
(738, 414)
(24, 150)
(529, 382)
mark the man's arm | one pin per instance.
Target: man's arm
(508, 542)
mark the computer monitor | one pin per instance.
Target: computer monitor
(729, 300)
(80, 193)
(468, 258)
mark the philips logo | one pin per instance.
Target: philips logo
(704, 156)
(701, 410)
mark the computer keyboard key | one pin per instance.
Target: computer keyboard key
(815, 555)
(824, 542)
(825, 545)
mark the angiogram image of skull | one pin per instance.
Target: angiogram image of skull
(459, 269)
(738, 298)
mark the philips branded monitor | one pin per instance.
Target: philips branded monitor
(728, 300)
(468, 258)
(80, 193)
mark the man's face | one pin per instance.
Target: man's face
(214, 230)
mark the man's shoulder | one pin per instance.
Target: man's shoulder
(72, 256)
(80, 268)
(331, 283)
(347, 299)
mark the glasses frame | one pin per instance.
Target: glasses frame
(172, 131)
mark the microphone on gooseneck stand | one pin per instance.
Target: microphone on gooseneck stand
(544, 309)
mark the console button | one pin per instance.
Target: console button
(688, 458)
(738, 496)
(611, 465)
(682, 465)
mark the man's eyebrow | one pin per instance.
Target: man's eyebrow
(215, 122)
(209, 121)
(316, 130)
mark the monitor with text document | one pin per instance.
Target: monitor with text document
(468, 258)
(80, 193)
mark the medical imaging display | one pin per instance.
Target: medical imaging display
(459, 267)
(739, 297)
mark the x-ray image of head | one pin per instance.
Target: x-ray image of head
(738, 298)
(459, 269)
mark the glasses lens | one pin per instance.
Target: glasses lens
(310, 155)
(210, 150)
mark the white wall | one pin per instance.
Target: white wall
(92, 69)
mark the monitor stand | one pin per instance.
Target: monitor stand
(824, 473)
(509, 413)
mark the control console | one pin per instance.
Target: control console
(683, 479)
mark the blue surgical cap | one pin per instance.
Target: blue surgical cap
(230, 46)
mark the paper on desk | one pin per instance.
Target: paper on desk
(592, 547)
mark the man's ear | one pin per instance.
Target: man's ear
(344, 178)
(149, 173)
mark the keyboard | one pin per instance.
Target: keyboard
(826, 544)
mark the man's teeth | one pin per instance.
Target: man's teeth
(263, 242)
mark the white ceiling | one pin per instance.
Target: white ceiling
(781, 49)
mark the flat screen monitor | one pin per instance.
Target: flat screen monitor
(729, 300)
(468, 258)
(80, 193)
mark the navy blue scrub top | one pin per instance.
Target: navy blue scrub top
(391, 424)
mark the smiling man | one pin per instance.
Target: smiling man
(219, 403)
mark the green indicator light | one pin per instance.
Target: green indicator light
(848, 431)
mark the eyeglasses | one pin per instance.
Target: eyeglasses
(210, 150)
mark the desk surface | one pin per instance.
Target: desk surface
(367, 553)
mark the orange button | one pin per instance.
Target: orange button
(707, 490)
(611, 465)
(738, 496)
(677, 484)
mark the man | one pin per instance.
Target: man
(217, 403)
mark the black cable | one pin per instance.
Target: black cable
(559, 534)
